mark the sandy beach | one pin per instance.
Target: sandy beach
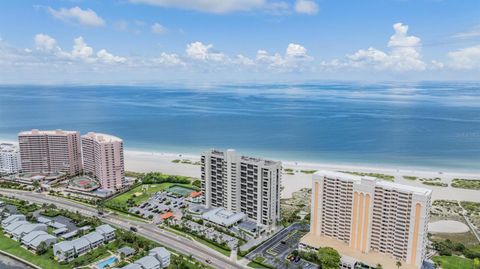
(143, 161)
(162, 162)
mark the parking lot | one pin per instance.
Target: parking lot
(160, 203)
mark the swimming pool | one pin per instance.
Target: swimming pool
(106, 262)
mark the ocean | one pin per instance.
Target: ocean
(426, 124)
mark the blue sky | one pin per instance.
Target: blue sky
(242, 40)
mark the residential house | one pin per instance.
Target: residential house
(106, 231)
(10, 219)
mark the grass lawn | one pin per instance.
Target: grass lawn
(468, 238)
(199, 240)
(45, 261)
(453, 262)
(150, 189)
(253, 264)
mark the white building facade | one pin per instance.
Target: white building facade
(9, 158)
(242, 184)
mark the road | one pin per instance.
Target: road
(470, 224)
(148, 230)
(273, 240)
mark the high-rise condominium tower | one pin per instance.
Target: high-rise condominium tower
(50, 151)
(369, 217)
(9, 158)
(242, 184)
(103, 159)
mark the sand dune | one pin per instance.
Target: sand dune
(153, 161)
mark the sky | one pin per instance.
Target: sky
(150, 41)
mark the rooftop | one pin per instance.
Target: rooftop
(160, 251)
(102, 138)
(105, 229)
(42, 238)
(93, 237)
(148, 262)
(8, 147)
(32, 235)
(64, 246)
(127, 251)
(70, 234)
(28, 227)
(132, 266)
(80, 242)
(379, 182)
(246, 158)
(46, 132)
(223, 217)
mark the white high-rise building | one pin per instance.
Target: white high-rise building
(9, 158)
(242, 184)
(50, 151)
(103, 159)
(371, 220)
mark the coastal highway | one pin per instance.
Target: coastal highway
(148, 230)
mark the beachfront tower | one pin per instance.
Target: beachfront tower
(9, 158)
(368, 219)
(50, 151)
(242, 184)
(103, 159)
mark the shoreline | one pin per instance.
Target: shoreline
(155, 161)
(144, 161)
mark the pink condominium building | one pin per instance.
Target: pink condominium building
(103, 159)
(369, 220)
(50, 151)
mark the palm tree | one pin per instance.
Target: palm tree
(399, 264)
(36, 184)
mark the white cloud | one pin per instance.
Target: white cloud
(243, 60)
(308, 7)
(169, 60)
(157, 28)
(45, 42)
(81, 49)
(106, 57)
(294, 58)
(77, 15)
(199, 51)
(296, 51)
(466, 58)
(212, 6)
(404, 53)
(473, 33)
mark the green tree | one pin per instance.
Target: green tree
(476, 263)
(197, 183)
(328, 258)
(42, 248)
(398, 264)
(36, 184)
(379, 266)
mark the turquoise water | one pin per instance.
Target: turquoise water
(428, 124)
(106, 262)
